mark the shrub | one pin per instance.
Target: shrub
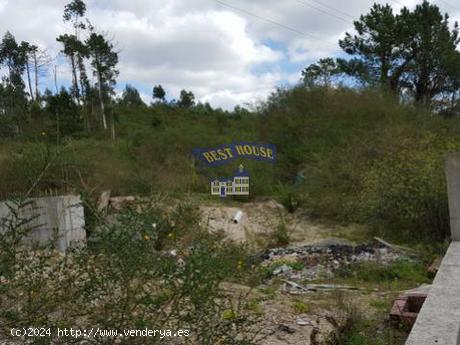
(301, 307)
(290, 197)
(280, 236)
(123, 281)
(405, 193)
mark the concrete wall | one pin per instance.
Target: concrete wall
(438, 322)
(59, 219)
(453, 191)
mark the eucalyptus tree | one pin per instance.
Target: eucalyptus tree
(13, 58)
(187, 99)
(321, 73)
(74, 13)
(74, 48)
(70, 48)
(104, 60)
(27, 50)
(159, 93)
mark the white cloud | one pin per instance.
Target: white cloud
(308, 49)
(3, 4)
(208, 52)
(225, 56)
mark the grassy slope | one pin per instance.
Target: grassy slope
(365, 157)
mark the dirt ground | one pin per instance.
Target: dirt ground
(283, 321)
(260, 220)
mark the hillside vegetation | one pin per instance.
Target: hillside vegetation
(344, 155)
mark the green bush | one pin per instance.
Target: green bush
(290, 197)
(123, 281)
(280, 236)
(405, 193)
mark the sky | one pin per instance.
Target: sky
(227, 52)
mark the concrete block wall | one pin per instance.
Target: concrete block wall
(59, 219)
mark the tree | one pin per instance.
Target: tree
(131, 97)
(74, 13)
(159, 93)
(40, 60)
(434, 45)
(27, 49)
(380, 48)
(71, 48)
(64, 112)
(414, 50)
(320, 73)
(104, 61)
(187, 99)
(13, 58)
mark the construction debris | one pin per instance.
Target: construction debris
(434, 267)
(315, 287)
(304, 322)
(314, 262)
(103, 202)
(406, 308)
(293, 288)
(282, 269)
(118, 202)
(238, 216)
(286, 328)
(423, 289)
(395, 247)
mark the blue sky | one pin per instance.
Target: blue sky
(227, 52)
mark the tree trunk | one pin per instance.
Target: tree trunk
(112, 125)
(74, 78)
(55, 79)
(36, 74)
(28, 80)
(58, 129)
(104, 120)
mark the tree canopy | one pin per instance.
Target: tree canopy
(412, 52)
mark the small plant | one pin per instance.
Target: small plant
(380, 304)
(229, 315)
(290, 197)
(255, 306)
(357, 329)
(301, 307)
(281, 234)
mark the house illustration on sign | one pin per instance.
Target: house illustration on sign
(238, 185)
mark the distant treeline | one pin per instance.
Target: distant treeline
(411, 54)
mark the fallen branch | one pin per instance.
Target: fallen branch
(396, 247)
(299, 289)
(331, 287)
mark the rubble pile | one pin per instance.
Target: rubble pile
(323, 261)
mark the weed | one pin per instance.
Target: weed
(399, 274)
(301, 307)
(280, 236)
